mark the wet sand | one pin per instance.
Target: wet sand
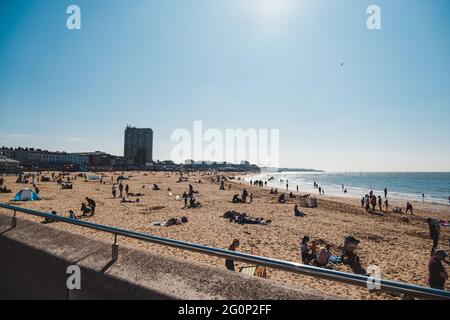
(397, 243)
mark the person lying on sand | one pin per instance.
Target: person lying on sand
(136, 194)
(129, 201)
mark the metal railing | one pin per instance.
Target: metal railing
(409, 290)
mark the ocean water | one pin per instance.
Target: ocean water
(400, 185)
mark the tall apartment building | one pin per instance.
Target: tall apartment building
(138, 145)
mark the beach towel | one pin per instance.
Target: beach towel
(335, 259)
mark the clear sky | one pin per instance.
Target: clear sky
(233, 64)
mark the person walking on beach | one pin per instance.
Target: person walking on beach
(120, 189)
(436, 271)
(409, 207)
(114, 190)
(386, 204)
(385, 192)
(229, 263)
(435, 230)
(127, 190)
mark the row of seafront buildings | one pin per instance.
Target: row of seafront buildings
(138, 151)
(138, 155)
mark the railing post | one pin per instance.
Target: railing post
(14, 220)
(115, 249)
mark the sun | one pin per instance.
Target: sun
(270, 9)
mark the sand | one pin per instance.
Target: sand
(397, 243)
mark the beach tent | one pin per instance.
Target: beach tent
(26, 195)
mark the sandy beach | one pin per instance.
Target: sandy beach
(399, 244)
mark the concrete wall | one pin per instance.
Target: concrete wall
(34, 259)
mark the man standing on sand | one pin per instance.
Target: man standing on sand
(229, 263)
(435, 230)
(92, 205)
(386, 204)
(436, 271)
(380, 203)
(409, 207)
(385, 192)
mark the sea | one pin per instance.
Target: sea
(416, 186)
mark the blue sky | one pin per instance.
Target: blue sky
(233, 64)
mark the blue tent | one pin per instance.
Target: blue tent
(26, 195)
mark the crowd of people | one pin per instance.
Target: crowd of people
(317, 252)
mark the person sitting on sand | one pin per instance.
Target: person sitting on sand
(236, 199)
(271, 191)
(409, 207)
(306, 255)
(48, 220)
(323, 255)
(282, 198)
(297, 212)
(156, 187)
(5, 190)
(194, 204)
(85, 209)
(72, 215)
(436, 271)
(229, 263)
